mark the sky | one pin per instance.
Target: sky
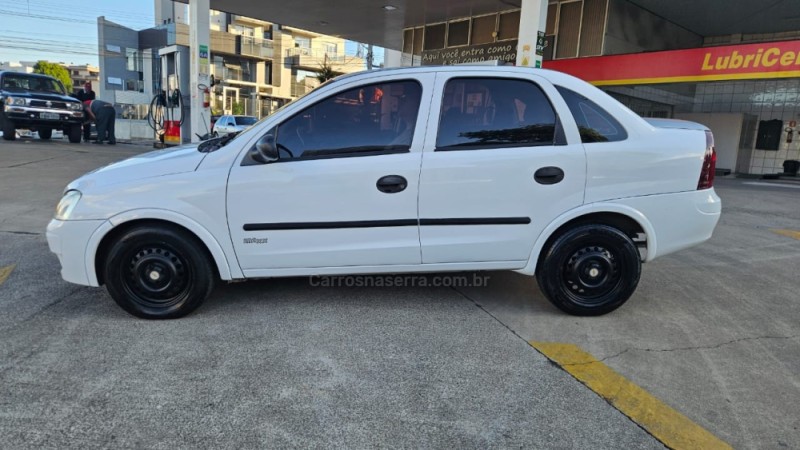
(66, 31)
(63, 31)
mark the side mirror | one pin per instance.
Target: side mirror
(265, 150)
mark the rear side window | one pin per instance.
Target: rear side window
(494, 112)
(595, 124)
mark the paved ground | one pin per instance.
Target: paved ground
(712, 331)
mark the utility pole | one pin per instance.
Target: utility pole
(369, 56)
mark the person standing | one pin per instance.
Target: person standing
(86, 94)
(105, 116)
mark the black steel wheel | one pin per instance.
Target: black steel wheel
(158, 272)
(590, 270)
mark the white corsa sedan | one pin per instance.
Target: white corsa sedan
(425, 169)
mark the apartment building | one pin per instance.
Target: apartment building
(80, 74)
(260, 65)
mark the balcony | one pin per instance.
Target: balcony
(313, 59)
(253, 46)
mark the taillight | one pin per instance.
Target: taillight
(709, 164)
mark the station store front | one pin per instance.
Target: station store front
(748, 95)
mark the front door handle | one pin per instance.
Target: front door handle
(392, 184)
(549, 175)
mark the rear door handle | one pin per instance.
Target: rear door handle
(549, 175)
(392, 184)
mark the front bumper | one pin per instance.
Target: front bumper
(69, 240)
(23, 116)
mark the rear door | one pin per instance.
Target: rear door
(497, 168)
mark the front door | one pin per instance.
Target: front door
(496, 172)
(344, 191)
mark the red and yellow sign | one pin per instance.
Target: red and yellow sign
(732, 62)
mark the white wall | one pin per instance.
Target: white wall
(727, 129)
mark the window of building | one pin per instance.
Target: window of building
(458, 33)
(133, 60)
(408, 40)
(330, 49)
(483, 29)
(368, 120)
(434, 36)
(302, 42)
(508, 26)
(569, 22)
(494, 112)
(594, 123)
(418, 35)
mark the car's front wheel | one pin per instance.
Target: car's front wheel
(589, 270)
(74, 134)
(158, 272)
(9, 129)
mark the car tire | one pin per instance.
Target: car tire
(45, 133)
(75, 133)
(158, 272)
(589, 270)
(9, 130)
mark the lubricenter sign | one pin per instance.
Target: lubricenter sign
(732, 62)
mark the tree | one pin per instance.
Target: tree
(237, 109)
(325, 73)
(56, 71)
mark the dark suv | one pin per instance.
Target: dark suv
(38, 103)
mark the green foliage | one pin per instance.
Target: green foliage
(237, 109)
(56, 71)
(325, 73)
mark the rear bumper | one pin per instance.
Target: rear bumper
(679, 220)
(69, 241)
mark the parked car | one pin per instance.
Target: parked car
(37, 103)
(426, 169)
(232, 124)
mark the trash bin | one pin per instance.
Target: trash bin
(791, 167)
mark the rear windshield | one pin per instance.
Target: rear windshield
(25, 83)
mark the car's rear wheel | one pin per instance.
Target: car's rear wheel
(158, 272)
(9, 129)
(45, 133)
(74, 134)
(589, 270)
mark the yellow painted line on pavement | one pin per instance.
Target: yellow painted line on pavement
(667, 425)
(5, 272)
(789, 233)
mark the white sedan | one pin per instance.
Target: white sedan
(232, 124)
(426, 169)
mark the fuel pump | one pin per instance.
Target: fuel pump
(169, 108)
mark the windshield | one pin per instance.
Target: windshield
(26, 83)
(245, 120)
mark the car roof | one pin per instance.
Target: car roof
(546, 73)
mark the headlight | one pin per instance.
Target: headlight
(75, 106)
(67, 204)
(15, 101)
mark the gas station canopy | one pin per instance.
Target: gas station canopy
(382, 22)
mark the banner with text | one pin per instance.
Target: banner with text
(731, 62)
(505, 51)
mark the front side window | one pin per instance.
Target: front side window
(490, 112)
(368, 120)
(595, 124)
